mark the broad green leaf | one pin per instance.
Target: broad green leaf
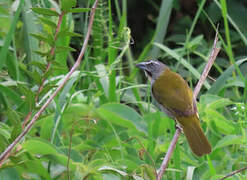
(79, 10)
(46, 149)
(122, 115)
(39, 146)
(230, 140)
(35, 166)
(45, 11)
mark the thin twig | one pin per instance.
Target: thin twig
(168, 154)
(207, 68)
(77, 63)
(197, 89)
(233, 173)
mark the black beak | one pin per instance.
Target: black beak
(142, 65)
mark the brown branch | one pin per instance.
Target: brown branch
(233, 173)
(77, 63)
(197, 89)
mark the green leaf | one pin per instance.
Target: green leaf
(60, 49)
(48, 22)
(39, 146)
(148, 172)
(47, 150)
(42, 53)
(15, 120)
(10, 35)
(5, 130)
(48, 39)
(122, 115)
(220, 121)
(46, 125)
(45, 11)
(79, 10)
(28, 95)
(11, 94)
(214, 102)
(68, 33)
(221, 81)
(9, 174)
(66, 5)
(230, 140)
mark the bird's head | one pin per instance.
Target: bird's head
(152, 68)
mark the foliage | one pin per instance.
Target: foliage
(103, 125)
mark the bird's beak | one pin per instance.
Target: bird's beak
(142, 65)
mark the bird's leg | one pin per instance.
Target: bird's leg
(178, 125)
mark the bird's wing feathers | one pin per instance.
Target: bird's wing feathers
(171, 91)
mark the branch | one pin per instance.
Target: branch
(233, 173)
(197, 89)
(77, 63)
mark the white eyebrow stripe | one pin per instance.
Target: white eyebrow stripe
(155, 62)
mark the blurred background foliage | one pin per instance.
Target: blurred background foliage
(104, 124)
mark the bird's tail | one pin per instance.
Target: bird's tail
(194, 134)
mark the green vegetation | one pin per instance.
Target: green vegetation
(103, 124)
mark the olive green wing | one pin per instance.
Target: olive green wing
(173, 92)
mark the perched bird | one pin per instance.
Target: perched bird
(175, 98)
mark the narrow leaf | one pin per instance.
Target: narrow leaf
(45, 11)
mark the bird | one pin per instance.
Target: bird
(175, 98)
